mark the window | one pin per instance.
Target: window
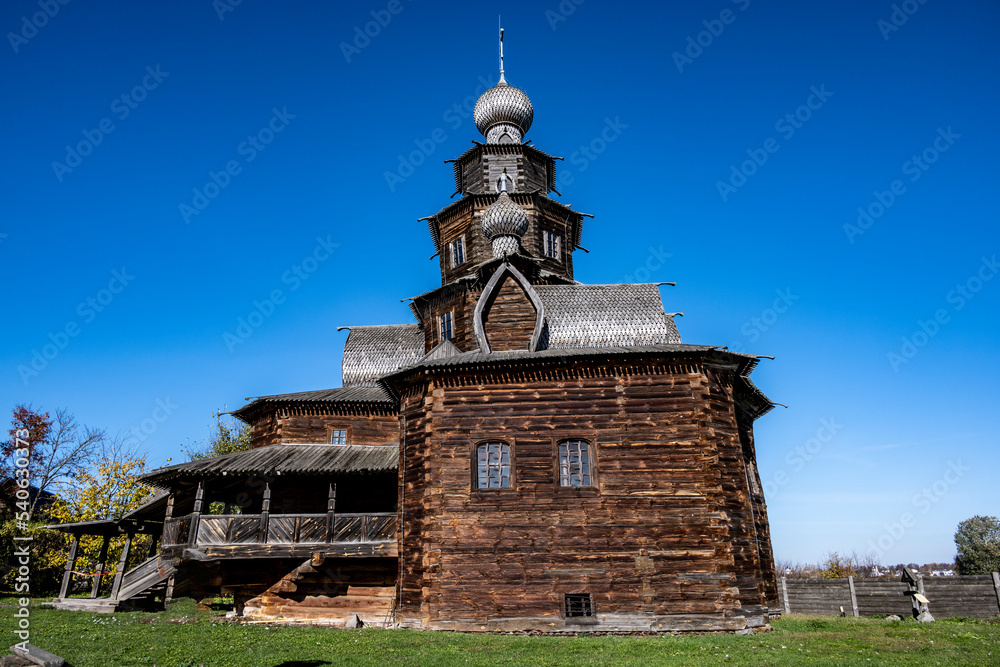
(553, 246)
(578, 604)
(446, 331)
(338, 436)
(458, 251)
(574, 463)
(493, 465)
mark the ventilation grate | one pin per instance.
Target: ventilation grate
(578, 605)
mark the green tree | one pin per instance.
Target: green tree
(978, 543)
(227, 436)
(108, 490)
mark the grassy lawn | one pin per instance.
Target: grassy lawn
(183, 636)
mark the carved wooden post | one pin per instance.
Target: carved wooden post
(99, 575)
(70, 564)
(122, 562)
(784, 591)
(996, 587)
(265, 511)
(199, 498)
(331, 519)
(170, 508)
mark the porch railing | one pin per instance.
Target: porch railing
(231, 529)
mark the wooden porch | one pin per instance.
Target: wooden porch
(223, 536)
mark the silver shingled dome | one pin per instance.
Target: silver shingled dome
(503, 110)
(504, 218)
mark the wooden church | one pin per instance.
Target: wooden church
(530, 454)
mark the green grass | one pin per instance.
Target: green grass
(184, 636)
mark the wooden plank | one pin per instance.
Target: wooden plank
(996, 588)
(854, 596)
(36, 655)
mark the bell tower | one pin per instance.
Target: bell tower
(505, 214)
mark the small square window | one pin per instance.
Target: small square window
(574, 463)
(458, 251)
(446, 328)
(578, 605)
(338, 436)
(553, 246)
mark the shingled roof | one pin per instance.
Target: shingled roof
(283, 460)
(373, 351)
(361, 397)
(605, 315)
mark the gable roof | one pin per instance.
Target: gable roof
(605, 316)
(373, 351)
(362, 397)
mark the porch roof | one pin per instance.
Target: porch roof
(284, 459)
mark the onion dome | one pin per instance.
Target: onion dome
(505, 223)
(503, 113)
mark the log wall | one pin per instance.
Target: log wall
(510, 319)
(314, 425)
(660, 541)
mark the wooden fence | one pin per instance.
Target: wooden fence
(976, 596)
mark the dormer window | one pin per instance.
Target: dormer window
(338, 436)
(458, 252)
(553, 246)
(446, 327)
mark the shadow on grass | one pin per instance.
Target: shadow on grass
(300, 663)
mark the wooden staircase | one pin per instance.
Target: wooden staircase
(140, 588)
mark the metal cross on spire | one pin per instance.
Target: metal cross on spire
(501, 51)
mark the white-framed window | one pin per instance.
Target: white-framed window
(553, 246)
(338, 436)
(574, 463)
(458, 251)
(493, 465)
(446, 329)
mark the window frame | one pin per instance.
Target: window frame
(336, 428)
(458, 244)
(556, 246)
(591, 460)
(450, 314)
(474, 465)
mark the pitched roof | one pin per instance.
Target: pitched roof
(283, 460)
(605, 315)
(373, 351)
(360, 396)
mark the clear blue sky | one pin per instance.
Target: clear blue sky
(872, 431)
